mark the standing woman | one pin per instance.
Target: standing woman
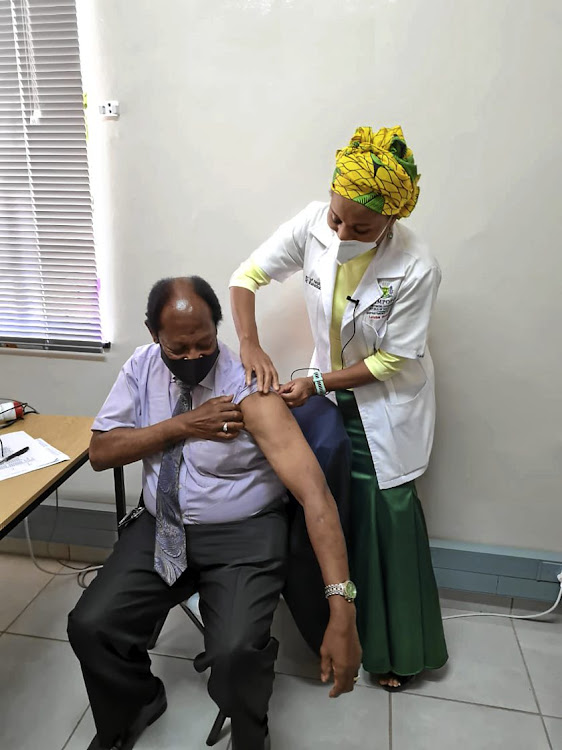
(369, 285)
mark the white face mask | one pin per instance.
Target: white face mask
(349, 249)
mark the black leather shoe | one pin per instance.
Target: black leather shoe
(146, 716)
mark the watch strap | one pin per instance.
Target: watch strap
(319, 384)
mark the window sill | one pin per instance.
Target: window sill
(53, 354)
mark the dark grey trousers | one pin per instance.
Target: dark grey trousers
(239, 570)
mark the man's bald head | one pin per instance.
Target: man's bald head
(184, 297)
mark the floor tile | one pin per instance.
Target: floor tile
(485, 666)
(94, 555)
(43, 695)
(554, 729)
(20, 582)
(185, 724)
(40, 549)
(179, 636)
(541, 643)
(535, 607)
(295, 657)
(430, 724)
(302, 716)
(47, 614)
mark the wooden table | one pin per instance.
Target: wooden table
(71, 435)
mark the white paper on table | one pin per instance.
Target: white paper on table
(39, 455)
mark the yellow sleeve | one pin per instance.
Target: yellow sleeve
(249, 276)
(384, 365)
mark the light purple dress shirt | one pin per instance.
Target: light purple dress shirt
(219, 482)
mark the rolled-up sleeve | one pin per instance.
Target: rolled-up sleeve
(247, 390)
(249, 276)
(383, 365)
(122, 407)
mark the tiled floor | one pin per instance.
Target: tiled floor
(501, 689)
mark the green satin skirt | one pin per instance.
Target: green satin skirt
(398, 611)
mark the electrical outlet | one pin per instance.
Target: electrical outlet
(549, 571)
(109, 109)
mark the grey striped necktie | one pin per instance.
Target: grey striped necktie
(170, 556)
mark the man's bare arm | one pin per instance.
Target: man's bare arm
(274, 428)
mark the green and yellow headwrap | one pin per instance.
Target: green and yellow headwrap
(378, 170)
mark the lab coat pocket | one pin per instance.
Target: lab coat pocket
(411, 425)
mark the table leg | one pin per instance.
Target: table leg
(120, 501)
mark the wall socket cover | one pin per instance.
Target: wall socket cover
(548, 571)
(109, 108)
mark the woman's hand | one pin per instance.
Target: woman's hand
(256, 360)
(297, 392)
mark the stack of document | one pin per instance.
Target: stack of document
(39, 455)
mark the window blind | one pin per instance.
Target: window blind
(48, 280)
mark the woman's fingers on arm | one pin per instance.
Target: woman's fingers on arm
(287, 387)
(261, 365)
(289, 399)
(271, 376)
(249, 372)
(274, 376)
(258, 369)
(266, 380)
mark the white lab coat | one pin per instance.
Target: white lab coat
(398, 415)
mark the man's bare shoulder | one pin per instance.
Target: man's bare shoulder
(266, 414)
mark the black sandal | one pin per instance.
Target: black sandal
(405, 680)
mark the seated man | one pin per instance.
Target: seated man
(217, 456)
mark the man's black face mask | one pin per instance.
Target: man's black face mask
(190, 371)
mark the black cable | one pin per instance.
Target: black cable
(26, 406)
(300, 369)
(356, 303)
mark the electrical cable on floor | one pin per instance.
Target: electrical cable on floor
(513, 617)
(52, 572)
(80, 572)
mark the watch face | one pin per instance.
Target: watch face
(350, 590)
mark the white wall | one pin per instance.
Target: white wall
(231, 113)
